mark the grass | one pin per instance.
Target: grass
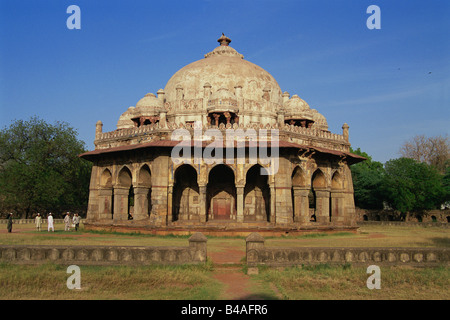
(48, 281)
(347, 282)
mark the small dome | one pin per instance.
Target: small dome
(297, 108)
(149, 105)
(125, 121)
(320, 122)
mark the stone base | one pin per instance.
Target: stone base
(230, 229)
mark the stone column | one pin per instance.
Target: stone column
(273, 208)
(202, 202)
(121, 203)
(337, 207)
(322, 206)
(140, 203)
(301, 205)
(105, 203)
(240, 203)
(169, 204)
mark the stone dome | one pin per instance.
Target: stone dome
(223, 68)
(149, 105)
(125, 119)
(320, 122)
(296, 107)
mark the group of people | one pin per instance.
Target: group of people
(68, 222)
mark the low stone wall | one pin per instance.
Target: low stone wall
(28, 221)
(107, 255)
(258, 255)
(403, 224)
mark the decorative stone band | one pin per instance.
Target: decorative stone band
(258, 254)
(107, 255)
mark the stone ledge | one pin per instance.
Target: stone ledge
(259, 255)
(107, 255)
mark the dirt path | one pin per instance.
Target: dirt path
(238, 285)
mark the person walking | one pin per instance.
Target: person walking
(38, 221)
(10, 223)
(76, 221)
(67, 222)
(50, 222)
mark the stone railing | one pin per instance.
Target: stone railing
(107, 255)
(259, 255)
(156, 128)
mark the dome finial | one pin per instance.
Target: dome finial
(224, 40)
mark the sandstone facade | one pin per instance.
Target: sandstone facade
(135, 180)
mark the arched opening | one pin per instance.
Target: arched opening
(448, 218)
(106, 179)
(185, 199)
(318, 182)
(221, 193)
(365, 217)
(130, 203)
(256, 195)
(299, 194)
(124, 182)
(145, 183)
(433, 219)
(336, 204)
(106, 205)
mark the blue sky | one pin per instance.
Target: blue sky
(388, 84)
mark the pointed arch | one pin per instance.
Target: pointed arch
(145, 176)
(318, 179)
(185, 200)
(256, 195)
(106, 179)
(221, 193)
(336, 181)
(298, 177)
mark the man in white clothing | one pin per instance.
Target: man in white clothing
(50, 222)
(67, 222)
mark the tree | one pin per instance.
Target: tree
(434, 151)
(367, 178)
(409, 185)
(40, 169)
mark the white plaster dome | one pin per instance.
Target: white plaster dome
(223, 68)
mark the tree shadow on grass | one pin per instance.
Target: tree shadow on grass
(441, 241)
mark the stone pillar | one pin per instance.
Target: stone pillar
(240, 203)
(322, 206)
(202, 202)
(98, 129)
(169, 204)
(140, 203)
(121, 203)
(337, 207)
(301, 205)
(273, 208)
(105, 203)
(197, 246)
(345, 131)
(280, 118)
